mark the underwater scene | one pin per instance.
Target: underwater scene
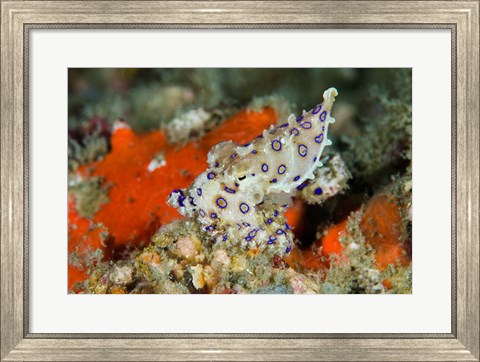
(240, 181)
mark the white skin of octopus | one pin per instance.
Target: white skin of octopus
(242, 180)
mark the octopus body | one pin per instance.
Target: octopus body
(241, 197)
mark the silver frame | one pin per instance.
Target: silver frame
(19, 17)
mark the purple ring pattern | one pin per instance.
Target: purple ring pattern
(306, 125)
(302, 150)
(244, 208)
(276, 145)
(323, 116)
(319, 138)
(221, 202)
(317, 109)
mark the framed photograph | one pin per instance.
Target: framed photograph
(251, 180)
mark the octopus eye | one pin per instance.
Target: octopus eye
(242, 178)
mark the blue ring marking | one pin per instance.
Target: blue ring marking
(253, 233)
(323, 116)
(248, 238)
(201, 212)
(274, 181)
(284, 205)
(253, 174)
(254, 152)
(299, 118)
(191, 200)
(281, 169)
(276, 145)
(280, 232)
(269, 221)
(239, 226)
(306, 125)
(302, 150)
(210, 228)
(224, 238)
(287, 227)
(180, 200)
(318, 191)
(271, 240)
(317, 109)
(213, 215)
(315, 159)
(323, 128)
(319, 138)
(216, 164)
(221, 202)
(287, 250)
(199, 192)
(246, 224)
(233, 155)
(302, 186)
(211, 175)
(264, 167)
(284, 125)
(246, 145)
(296, 178)
(275, 214)
(236, 184)
(244, 208)
(229, 190)
(294, 131)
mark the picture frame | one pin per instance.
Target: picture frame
(19, 17)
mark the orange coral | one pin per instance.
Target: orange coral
(295, 214)
(384, 229)
(137, 206)
(83, 237)
(318, 256)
